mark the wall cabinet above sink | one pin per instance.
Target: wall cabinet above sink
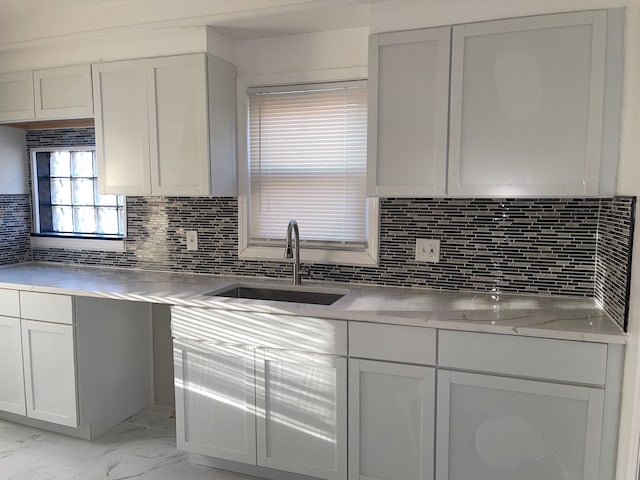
(166, 126)
(528, 112)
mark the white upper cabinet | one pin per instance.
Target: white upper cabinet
(63, 92)
(166, 126)
(49, 94)
(178, 125)
(408, 112)
(16, 96)
(122, 127)
(526, 106)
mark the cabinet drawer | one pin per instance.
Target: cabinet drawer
(47, 307)
(9, 303)
(254, 329)
(392, 342)
(524, 356)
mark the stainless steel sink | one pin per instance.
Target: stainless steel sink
(279, 295)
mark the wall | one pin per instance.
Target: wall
(15, 225)
(537, 246)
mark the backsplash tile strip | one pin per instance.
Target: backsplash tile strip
(15, 224)
(518, 246)
(613, 255)
(545, 246)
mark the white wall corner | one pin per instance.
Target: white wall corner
(221, 46)
(629, 184)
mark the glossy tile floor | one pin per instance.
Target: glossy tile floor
(142, 447)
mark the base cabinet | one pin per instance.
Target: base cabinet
(49, 372)
(391, 402)
(391, 421)
(302, 413)
(215, 400)
(73, 365)
(495, 428)
(11, 372)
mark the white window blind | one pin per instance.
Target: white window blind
(308, 159)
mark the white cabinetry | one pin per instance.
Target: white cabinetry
(49, 372)
(391, 405)
(408, 112)
(16, 96)
(524, 111)
(122, 128)
(72, 364)
(493, 428)
(63, 92)
(391, 411)
(526, 106)
(285, 409)
(166, 126)
(266, 393)
(49, 94)
(302, 413)
(215, 400)
(11, 373)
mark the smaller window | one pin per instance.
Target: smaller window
(66, 198)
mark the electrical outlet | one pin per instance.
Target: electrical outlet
(427, 250)
(192, 240)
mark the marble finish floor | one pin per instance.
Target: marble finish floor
(142, 447)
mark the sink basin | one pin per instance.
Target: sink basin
(279, 295)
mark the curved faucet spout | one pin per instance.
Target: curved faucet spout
(292, 228)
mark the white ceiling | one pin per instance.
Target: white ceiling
(23, 22)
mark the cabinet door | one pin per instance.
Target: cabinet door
(408, 112)
(50, 373)
(526, 106)
(178, 125)
(391, 421)
(63, 92)
(302, 413)
(215, 400)
(11, 372)
(16, 96)
(122, 127)
(494, 428)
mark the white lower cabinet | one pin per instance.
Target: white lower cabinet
(496, 428)
(419, 404)
(302, 413)
(391, 421)
(215, 400)
(49, 372)
(73, 365)
(11, 373)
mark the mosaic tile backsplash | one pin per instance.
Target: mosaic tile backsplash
(15, 225)
(538, 246)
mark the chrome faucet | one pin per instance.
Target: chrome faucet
(288, 250)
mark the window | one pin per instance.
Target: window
(66, 198)
(307, 159)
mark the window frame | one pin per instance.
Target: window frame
(67, 240)
(333, 255)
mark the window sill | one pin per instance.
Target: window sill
(78, 243)
(311, 255)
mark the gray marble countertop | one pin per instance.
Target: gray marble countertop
(528, 315)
